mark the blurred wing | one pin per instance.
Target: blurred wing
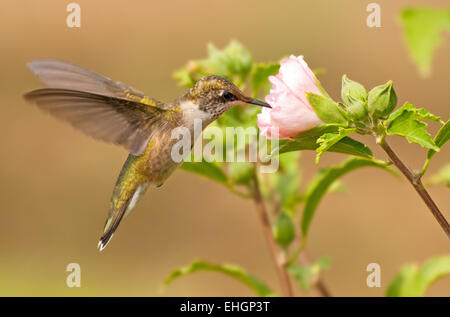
(59, 74)
(110, 119)
(98, 106)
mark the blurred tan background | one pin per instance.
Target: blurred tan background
(55, 183)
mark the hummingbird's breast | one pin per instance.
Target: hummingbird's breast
(158, 154)
(159, 163)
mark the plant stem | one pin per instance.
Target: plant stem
(322, 288)
(320, 284)
(297, 252)
(416, 182)
(274, 249)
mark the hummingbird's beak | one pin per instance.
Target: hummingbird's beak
(259, 103)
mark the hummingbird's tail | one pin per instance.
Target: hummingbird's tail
(130, 186)
(117, 214)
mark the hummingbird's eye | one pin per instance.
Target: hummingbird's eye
(228, 96)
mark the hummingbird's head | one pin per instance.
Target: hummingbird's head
(213, 95)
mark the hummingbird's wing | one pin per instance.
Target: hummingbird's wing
(96, 105)
(58, 74)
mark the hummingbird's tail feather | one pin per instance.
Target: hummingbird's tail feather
(119, 210)
(108, 233)
(130, 186)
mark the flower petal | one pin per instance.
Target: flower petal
(294, 72)
(291, 112)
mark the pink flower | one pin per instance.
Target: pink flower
(291, 112)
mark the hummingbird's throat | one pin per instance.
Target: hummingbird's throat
(205, 112)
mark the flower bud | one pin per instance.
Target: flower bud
(382, 100)
(354, 96)
(283, 229)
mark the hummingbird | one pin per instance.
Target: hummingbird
(113, 112)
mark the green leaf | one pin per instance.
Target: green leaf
(441, 138)
(289, 163)
(423, 29)
(288, 186)
(241, 172)
(233, 62)
(283, 229)
(307, 275)
(327, 140)
(413, 281)
(287, 181)
(239, 116)
(184, 77)
(321, 183)
(260, 74)
(326, 109)
(308, 141)
(210, 170)
(419, 114)
(338, 187)
(443, 176)
(423, 114)
(407, 124)
(231, 270)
